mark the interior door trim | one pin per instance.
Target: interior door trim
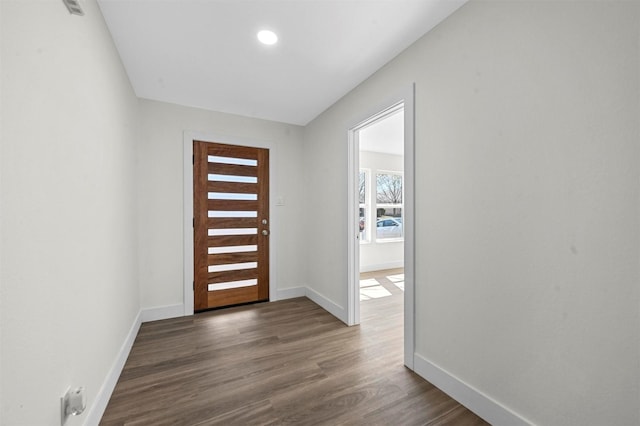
(187, 205)
(405, 95)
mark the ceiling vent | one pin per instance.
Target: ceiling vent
(74, 7)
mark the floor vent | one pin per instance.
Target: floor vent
(74, 7)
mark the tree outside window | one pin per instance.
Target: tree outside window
(389, 189)
(363, 204)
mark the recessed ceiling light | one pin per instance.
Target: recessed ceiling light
(267, 37)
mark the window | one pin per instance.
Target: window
(363, 203)
(386, 207)
(389, 190)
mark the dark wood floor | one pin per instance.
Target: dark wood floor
(286, 362)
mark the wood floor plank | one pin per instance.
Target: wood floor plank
(286, 362)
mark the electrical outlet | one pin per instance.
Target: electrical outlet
(72, 403)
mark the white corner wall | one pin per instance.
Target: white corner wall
(527, 207)
(160, 195)
(68, 270)
(376, 255)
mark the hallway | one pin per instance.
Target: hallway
(286, 362)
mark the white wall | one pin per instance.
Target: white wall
(527, 207)
(69, 254)
(1, 226)
(374, 254)
(160, 194)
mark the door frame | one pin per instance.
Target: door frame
(404, 96)
(188, 258)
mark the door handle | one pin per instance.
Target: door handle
(265, 232)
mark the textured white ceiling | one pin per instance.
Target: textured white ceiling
(204, 53)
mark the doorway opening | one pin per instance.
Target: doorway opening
(381, 219)
(380, 214)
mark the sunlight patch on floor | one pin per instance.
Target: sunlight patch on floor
(380, 284)
(397, 280)
(373, 292)
(369, 283)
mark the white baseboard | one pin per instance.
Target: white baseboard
(303, 291)
(162, 312)
(290, 293)
(382, 266)
(328, 305)
(485, 407)
(104, 394)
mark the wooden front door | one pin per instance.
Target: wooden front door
(231, 224)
